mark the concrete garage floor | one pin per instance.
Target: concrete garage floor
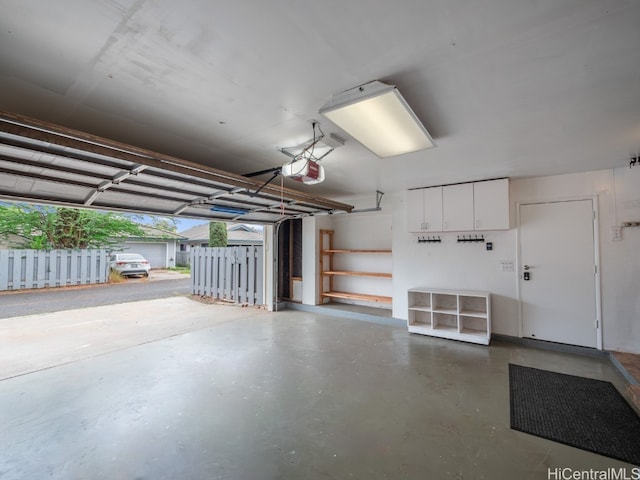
(236, 393)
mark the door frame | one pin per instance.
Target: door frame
(596, 259)
(286, 263)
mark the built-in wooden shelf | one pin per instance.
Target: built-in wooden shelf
(327, 270)
(358, 296)
(342, 250)
(357, 274)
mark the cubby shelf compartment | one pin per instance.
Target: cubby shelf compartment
(453, 314)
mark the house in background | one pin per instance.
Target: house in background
(10, 242)
(159, 247)
(238, 235)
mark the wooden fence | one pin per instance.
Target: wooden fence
(183, 259)
(231, 273)
(25, 269)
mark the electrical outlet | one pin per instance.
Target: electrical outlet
(616, 234)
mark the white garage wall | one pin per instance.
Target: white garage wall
(369, 230)
(269, 266)
(465, 266)
(353, 231)
(470, 266)
(621, 271)
(618, 193)
(311, 227)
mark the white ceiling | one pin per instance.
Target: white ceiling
(505, 87)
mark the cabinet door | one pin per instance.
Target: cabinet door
(415, 210)
(433, 209)
(491, 204)
(457, 207)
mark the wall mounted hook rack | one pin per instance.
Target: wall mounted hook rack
(470, 238)
(430, 239)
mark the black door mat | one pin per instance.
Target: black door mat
(580, 412)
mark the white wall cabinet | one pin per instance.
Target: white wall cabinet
(453, 314)
(491, 205)
(433, 209)
(415, 210)
(459, 208)
(424, 210)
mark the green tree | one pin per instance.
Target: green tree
(217, 234)
(165, 224)
(46, 228)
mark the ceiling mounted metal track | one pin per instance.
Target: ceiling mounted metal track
(46, 163)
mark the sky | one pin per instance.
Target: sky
(186, 223)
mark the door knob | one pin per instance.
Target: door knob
(526, 267)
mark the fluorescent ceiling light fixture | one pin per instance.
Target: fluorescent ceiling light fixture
(378, 116)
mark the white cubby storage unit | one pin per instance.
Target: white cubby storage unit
(453, 314)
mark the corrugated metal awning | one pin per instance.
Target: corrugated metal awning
(45, 163)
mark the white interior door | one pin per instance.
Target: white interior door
(557, 256)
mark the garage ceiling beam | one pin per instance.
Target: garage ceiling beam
(50, 196)
(49, 178)
(80, 183)
(96, 176)
(52, 166)
(152, 179)
(35, 132)
(24, 151)
(116, 180)
(292, 207)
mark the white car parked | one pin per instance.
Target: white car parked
(129, 264)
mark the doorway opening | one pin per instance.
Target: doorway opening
(290, 260)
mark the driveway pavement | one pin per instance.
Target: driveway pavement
(37, 342)
(160, 284)
(157, 275)
(44, 328)
(58, 326)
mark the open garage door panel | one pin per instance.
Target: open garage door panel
(45, 163)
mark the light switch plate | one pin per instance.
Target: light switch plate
(506, 266)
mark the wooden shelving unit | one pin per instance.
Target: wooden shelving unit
(327, 270)
(357, 274)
